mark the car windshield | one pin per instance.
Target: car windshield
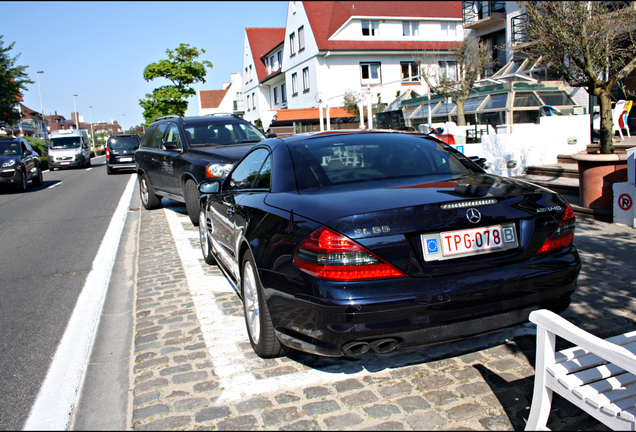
(65, 142)
(123, 143)
(9, 148)
(206, 133)
(358, 158)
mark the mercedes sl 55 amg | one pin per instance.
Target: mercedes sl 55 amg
(341, 243)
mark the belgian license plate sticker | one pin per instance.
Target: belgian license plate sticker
(474, 241)
(126, 159)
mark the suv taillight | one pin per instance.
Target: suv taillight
(327, 254)
(107, 153)
(563, 235)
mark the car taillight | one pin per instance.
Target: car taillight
(107, 153)
(329, 255)
(563, 235)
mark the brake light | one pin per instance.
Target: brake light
(327, 254)
(563, 235)
(107, 153)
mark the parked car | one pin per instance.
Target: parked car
(177, 153)
(19, 163)
(120, 152)
(69, 148)
(341, 243)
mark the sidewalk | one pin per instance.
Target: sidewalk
(193, 367)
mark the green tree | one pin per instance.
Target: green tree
(182, 70)
(471, 57)
(138, 130)
(350, 103)
(590, 44)
(13, 80)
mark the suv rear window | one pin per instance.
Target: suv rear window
(123, 143)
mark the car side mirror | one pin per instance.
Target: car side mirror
(271, 135)
(171, 146)
(209, 186)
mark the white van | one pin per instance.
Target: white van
(69, 148)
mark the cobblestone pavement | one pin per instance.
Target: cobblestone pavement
(194, 367)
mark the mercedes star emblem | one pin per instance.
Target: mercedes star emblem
(473, 215)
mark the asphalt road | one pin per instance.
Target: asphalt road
(50, 236)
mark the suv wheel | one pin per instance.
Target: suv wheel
(192, 201)
(147, 194)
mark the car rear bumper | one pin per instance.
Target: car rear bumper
(422, 311)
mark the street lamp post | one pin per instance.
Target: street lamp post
(41, 106)
(74, 108)
(122, 124)
(90, 118)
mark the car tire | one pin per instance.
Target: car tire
(38, 179)
(191, 195)
(109, 170)
(206, 246)
(258, 321)
(89, 163)
(149, 200)
(51, 169)
(22, 187)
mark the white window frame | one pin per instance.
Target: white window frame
(301, 38)
(250, 73)
(372, 28)
(253, 100)
(275, 95)
(448, 68)
(248, 102)
(410, 28)
(292, 44)
(294, 80)
(371, 67)
(283, 93)
(412, 72)
(306, 79)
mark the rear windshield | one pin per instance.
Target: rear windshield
(369, 157)
(65, 142)
(123, 143)
(206, 133)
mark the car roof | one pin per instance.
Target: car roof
(212, 118)
(349, 132)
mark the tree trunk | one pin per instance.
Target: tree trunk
(461, 118)
(607, 123)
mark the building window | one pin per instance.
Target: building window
(306, 79)
(275, 95)
(294, 84)
(449, 29)
(409, 72)
(253, 100)
(247, 79)
(250, 73)
(279, 57)
(370, 28)
(292, 44)
(410, 28)
(370, 73)
(283, 92)
(301, 38)
(248, 102)
(448, 70)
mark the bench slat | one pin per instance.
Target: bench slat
(612, 396)
(586, 361)
(574, 352)
(629, 415)
(594, 387)
(618, 406)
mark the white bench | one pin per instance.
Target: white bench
(598, 376)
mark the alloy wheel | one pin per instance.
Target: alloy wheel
(250, 301)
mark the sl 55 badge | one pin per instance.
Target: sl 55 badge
(374, 230)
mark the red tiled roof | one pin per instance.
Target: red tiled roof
(212, 98)
(326, 17)
(310, 113)
(262, 40)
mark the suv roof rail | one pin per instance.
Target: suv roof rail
(223, 114)
(166, 117)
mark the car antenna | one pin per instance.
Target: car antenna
(291, 221)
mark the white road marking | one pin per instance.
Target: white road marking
(59, 393)
(53, 185)
(222, 333)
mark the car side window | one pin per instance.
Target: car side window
(147, 139)
(264, 179)
(157, 137)
(23, 148)
(246, 172)
(173, 135)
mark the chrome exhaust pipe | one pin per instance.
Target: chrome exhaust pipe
(355, 348)
(383, 346)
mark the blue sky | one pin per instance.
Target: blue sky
(98, 50)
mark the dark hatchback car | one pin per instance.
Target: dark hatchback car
(19, 163)
(177, 153)
(343, 243)
(120, 152)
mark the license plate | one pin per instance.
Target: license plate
(473, 241)
(65, 163)
(126, 159)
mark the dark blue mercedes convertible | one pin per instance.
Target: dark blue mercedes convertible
(341, 243)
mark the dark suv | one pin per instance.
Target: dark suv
(177, 153)
(120, 152)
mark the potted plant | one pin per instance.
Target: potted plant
(591, 45)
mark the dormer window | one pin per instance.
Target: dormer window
(370, 28)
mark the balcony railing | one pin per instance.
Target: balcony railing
(239, 105)
(519, 33)
(476, 11)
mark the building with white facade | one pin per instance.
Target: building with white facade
(227, 100)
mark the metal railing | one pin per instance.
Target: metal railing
(474, 11)
(519, 33)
